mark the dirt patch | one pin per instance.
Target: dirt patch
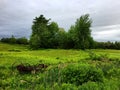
(31, 68)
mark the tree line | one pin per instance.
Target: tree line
(97, 45)
(47, 34)
(13, 40)
(107, 45)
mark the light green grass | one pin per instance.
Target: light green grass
(16, 54)
(51, 56)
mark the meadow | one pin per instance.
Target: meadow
(67, 69)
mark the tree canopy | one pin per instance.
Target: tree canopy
(43, 33)
(46, 34)
(81, 33)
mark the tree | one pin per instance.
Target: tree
(71, 37)
(82, 33)
(12, 40)
(53, 29)
(43, 33)
(61, 38)
(40, 33)
(47, 34)
(22, 40)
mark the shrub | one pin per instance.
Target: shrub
(100, 57)
(110, 70)
(79, 74)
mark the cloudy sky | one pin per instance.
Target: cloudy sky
(16, 16)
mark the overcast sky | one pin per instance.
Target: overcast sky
(16, 16)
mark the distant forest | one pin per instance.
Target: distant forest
(47, 34)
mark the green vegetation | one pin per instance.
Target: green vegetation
(13, 40)
(82, 67)
(81, 33)
(43, 33)
(46, 34)
(82, 73)
(67, 69)
(49, 35)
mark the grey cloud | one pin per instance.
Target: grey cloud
(16, 16)
(106, 33)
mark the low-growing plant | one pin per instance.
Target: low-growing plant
(109, 70)
(100, 57)
(79, 74)
(52, 75)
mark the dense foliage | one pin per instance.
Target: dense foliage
(64, 40)
(47, 34)
(43, 33)
(82, 73)
(107, 45)
(13, 40)
(81, 33)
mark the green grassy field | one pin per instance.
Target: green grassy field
(108, 61)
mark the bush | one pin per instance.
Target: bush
(100, 57)
(79, 74)
(110, 70)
